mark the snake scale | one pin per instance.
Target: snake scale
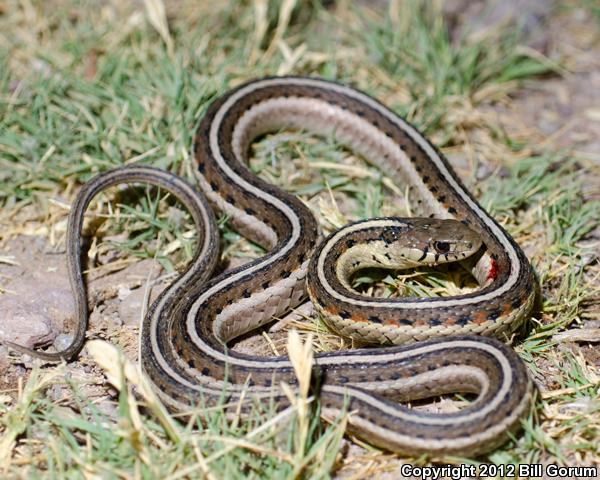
(430, 346)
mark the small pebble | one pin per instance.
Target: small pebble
(62, 341)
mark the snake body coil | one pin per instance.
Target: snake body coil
(185, 333)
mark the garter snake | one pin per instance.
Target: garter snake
(185, 333)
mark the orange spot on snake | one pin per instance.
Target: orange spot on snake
(480, 317)
(450, 321)
(359, 318)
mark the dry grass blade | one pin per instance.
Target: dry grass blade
(578, 335)
(261, 23)
(302, 359)
(119, 371)
(155, 9)
(285, 13)
(8, 260)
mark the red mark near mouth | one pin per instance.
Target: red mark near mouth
(493, 272)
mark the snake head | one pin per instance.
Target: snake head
(442, 241)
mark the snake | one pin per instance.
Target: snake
(412, 347)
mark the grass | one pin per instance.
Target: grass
(158, 447)
(86, 86)
(157, 227)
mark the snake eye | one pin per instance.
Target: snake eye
(441, 247)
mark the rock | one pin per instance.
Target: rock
(62, 341)
(31, 320)
(119, 284)
(38, 303)
(133, 304)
